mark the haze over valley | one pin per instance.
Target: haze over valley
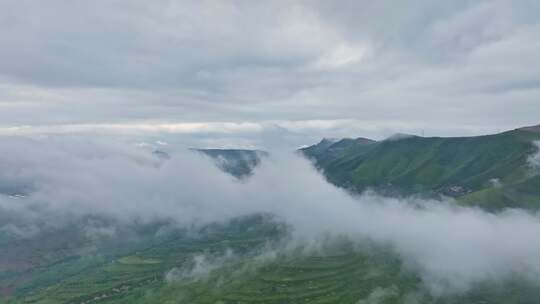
(234, 152)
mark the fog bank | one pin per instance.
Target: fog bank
(49, 180)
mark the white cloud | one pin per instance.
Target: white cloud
(200, 267)
(379, 295)
(134, 128)
(341, 56)
(451, 247)
(534, 159)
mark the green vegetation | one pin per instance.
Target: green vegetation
(123, 272)
(490, 171)
(237, 162)
(243, 262)
(137, 260)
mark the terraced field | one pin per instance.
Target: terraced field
(117, 273)
(244, 262)
(342, 278)
(338, 275)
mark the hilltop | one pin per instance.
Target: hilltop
(240, 163)
(492, 171)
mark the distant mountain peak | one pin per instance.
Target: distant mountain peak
(535, 129)
(240, 163)
(328, 141)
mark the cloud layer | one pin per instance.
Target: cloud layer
(47, 181)
(465, 67)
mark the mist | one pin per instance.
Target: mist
(46, 181)
(200, 267)
(534, 159)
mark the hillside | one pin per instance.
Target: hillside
(254, 259)
(236, 262)
(237, 162)
(492, 171)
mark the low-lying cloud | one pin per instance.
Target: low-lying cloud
(534, 159)
(48, 180)
(200, 267)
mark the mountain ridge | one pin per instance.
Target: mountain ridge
(535, 129)
(240, 163)
(464, 168)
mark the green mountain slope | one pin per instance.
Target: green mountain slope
(244, 261)
(240, 163)
(491, 171)
(236, 262)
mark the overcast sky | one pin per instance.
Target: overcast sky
(260, 73)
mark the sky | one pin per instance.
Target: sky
(268, 73)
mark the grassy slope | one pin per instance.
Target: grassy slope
(113, 274)
(463, 167)
(239, 163)
(337, 272)
(55, 270)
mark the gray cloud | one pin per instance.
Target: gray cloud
(463, 67)
(452, 247)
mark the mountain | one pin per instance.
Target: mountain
(240, 163)
(228, 263)
(327, 151)
(237, 162)
(161, 154)
(492, 171)
(249, 259)
(535, 129)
